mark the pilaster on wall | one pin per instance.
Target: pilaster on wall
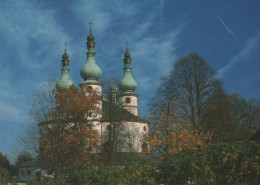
(129, 102)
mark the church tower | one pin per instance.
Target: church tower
(91, 72)
(64, 82)
(127, 85)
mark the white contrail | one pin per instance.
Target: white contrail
(229, 30)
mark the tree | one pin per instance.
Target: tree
(163, 102)
(4, 167)
(171, 137)
(66, 134)
(220, 163)
(220, 119)
(195, 82)
(117, 135)
(23, 157)
(245, 112)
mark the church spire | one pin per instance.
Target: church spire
(127, 85)
(64, 82)
(90, 72)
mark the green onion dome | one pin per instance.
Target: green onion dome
(64, 82)
(90, 72)
(128, 84)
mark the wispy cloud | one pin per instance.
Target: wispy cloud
(243, 55)
(229, 30)
(151, 53)
(31, 39)
(35, 38)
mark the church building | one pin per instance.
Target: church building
(123, 106)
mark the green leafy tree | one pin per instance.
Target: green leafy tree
(245, 112)
(220, 120)
(7, 171)
(221, 163)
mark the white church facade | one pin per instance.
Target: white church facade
(124, 105)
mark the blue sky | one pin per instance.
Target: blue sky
(159, 32)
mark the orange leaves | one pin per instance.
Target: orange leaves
(66, 135)
(172, 137)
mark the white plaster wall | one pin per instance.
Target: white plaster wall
(138, 133)
(133, 102)
(97, 88)
(25, 176)
(134, 134)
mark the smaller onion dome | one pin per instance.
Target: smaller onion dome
(127, 57)
(90, 36)
(127, 54)
(65, 56)
(128, 84)
(64, 82)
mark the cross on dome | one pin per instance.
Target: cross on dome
(90, 24)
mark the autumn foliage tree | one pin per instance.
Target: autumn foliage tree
(66, 135)
(171, 137)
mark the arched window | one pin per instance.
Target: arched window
(90, 114)
(108, 127)
(144, 128)
(128, 100)
(144, 148)
(89, 88)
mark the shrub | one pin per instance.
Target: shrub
(221, 163)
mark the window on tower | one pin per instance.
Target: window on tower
(128, 100)
(144, 128)
(89, 89)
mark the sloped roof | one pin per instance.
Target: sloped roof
(31, 163)
(110, 111)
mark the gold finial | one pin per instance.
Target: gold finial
(90, 24)
(65, 46)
